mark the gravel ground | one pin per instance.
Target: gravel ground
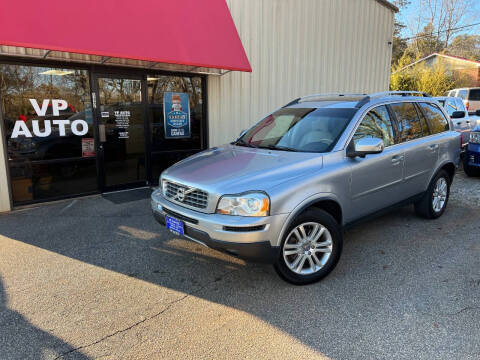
(98, 278)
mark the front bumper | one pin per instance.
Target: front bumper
(250, 238)
(472, 156)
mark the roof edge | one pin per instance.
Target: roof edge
(388, 4)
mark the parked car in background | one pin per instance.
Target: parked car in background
(462, 121)
(471, 160)
(286, 188)
(470, 97)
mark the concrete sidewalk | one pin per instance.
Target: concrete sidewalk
(98, 278)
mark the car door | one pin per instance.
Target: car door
(376, 178)
(421, 149)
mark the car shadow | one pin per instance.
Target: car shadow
(334, 317)
(20, 339)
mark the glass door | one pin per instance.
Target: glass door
(121, 131)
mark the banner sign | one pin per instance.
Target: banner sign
(176, 111)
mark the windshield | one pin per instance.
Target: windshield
(298, 129)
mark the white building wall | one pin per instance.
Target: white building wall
(295, 48)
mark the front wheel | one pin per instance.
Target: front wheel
(310, 249)
(433, 203)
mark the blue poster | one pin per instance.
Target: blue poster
(176, 112)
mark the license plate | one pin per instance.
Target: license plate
(174, 225)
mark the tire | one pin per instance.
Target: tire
(430, 208)
(470, 170)
(316, 264)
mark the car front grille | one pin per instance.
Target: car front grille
(186, 195)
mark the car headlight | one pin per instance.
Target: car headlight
(247, 204)
(163, 186)
(475, 137)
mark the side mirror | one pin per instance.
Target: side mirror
(365, 146)
(477, 112)
(458, 115)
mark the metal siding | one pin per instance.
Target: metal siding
(299, 47)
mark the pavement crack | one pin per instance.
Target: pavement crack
(466, 308)
(167, 307)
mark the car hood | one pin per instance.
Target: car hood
(233, 169)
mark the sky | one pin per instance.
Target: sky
(409, 15)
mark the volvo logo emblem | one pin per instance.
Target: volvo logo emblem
(181, 194)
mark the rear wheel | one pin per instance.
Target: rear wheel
(433, 203)
(311, 248)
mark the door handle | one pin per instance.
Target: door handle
(397, 158)
(433, 147)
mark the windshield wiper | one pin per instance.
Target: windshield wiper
(283, 148)
(244, 143)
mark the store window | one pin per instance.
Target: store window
(176, 113)
(48, 120)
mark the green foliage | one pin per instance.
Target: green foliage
(433, 80)
(403, 78)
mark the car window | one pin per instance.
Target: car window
(460, 105)
(299, 129)
(376, 124)
(437, 121)
(409, 125)
(462, 94)
(451, 106)
(474, 95)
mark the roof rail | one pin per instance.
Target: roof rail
(398, 93)
(369, 97)
(329, 95)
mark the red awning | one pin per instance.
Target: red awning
(187, 32)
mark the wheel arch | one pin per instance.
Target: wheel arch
(449, 167)
(328, 203)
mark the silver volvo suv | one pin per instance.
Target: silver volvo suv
(286, 188)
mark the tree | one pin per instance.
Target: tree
(444, 16)
(433, 80)
(403, 78)
(466, 46)
(425, 43)
(399, 44)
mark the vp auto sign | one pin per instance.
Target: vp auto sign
(176, 109)
(78, 127)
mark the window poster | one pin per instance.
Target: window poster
(88, 147)
(176, 112)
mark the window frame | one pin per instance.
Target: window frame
(392, 121)
(428, 121)
(397, 122)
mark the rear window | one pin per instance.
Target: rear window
(474, 95)
(409, 125)
(460, 104)
(462, 94)
(436, 120)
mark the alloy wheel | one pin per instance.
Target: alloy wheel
(307, 248)
(439, 196)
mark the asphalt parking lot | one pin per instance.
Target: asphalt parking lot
(98, 278)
